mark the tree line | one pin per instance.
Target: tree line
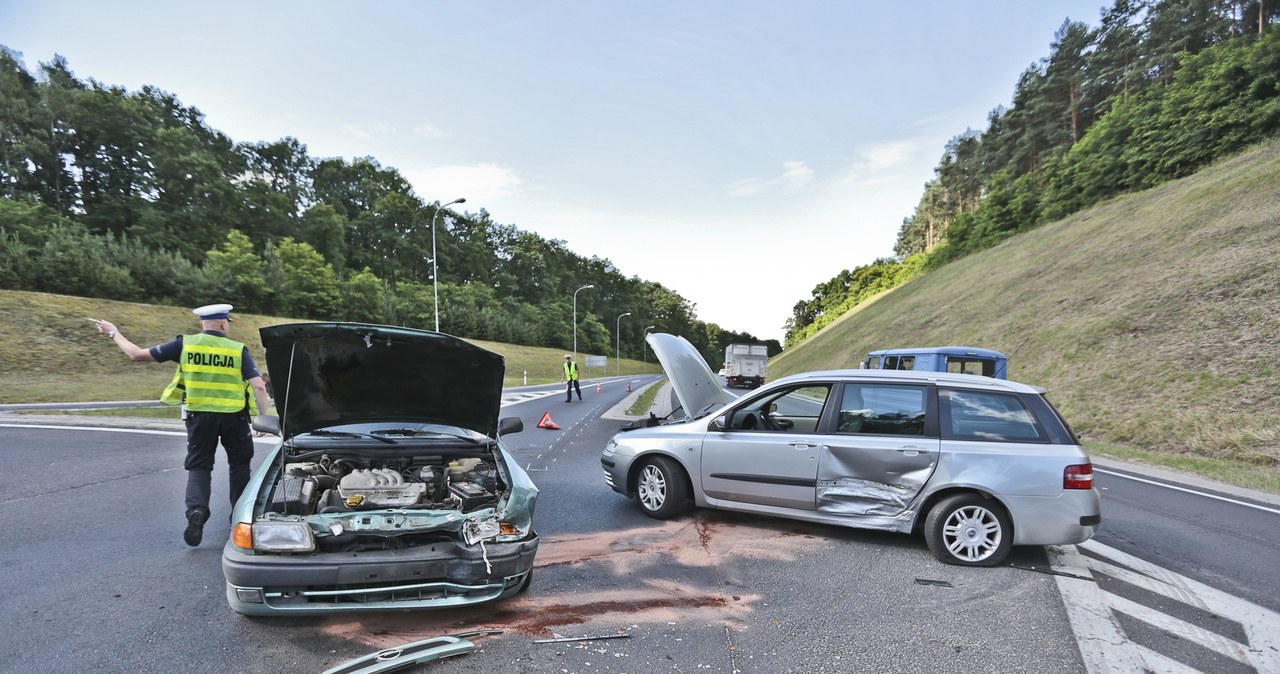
(130, 195)
(1156, 91)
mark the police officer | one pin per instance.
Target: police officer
(571, 379)
(214, 371)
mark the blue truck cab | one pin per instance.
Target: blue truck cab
(955, 359)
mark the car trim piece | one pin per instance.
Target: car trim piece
(766, 479)
(416, 653)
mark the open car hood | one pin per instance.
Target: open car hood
(696, 386)
(327, 374)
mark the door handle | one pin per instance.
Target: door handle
(802, 446)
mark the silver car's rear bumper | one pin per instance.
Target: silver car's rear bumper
(1072, 517)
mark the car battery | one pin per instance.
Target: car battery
(470, 494)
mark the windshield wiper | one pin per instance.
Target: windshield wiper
(349, 434)
(419, 433)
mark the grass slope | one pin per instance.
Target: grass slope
(1152, 318)
(51, 352)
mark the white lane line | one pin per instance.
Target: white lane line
(1189, 491)
(1102, 643)
(96, 429)
(1106, 649)
(1180, 629)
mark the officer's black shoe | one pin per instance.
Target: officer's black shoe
(195, 526)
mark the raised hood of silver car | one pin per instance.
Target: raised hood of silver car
(696, 386)
(326, 374)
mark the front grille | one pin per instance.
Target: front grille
(356, 542)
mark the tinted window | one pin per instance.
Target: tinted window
(962, 365)
(899, 362)
(873, 363)
(882, 409)
(987, 415)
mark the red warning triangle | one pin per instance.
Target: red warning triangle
(546, 422)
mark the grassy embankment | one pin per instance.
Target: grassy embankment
(52, 353)
(1153, 320)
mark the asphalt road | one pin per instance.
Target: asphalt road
(99, 579)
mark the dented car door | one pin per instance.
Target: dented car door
(881, 448)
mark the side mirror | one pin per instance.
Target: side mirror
(719, 423)
(509, 425)
(267, 423)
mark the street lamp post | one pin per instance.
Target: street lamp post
(644, 347)
(575, 320)
(435, 277)
(617, 338)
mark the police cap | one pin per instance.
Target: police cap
(213, 312)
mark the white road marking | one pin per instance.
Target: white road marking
(1189, 491)
(1105, 648)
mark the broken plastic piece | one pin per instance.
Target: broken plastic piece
(1051, 572)
(400, 657)
(606, 636)
(475, 531)
(939, 583)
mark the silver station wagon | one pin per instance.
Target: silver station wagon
(976, 464)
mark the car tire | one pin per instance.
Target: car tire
(661, 488)
(968, 530)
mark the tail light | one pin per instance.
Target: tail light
(1078, 477)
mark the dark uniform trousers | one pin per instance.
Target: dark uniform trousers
(204, 430)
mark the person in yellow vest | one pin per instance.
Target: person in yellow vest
(570, 378)
(214, 375)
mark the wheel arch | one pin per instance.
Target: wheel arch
(633, 471)
(922, 512)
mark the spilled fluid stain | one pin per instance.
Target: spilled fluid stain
(640, 596)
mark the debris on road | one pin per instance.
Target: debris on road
(622, 635)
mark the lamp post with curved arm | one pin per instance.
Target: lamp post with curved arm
(575, 320)
(435, 277)
(617, 338)
(644, 347)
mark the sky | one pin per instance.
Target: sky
(740, 153)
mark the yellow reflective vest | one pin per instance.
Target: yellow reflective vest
(210, 370)
(570, 371)
(175, 391)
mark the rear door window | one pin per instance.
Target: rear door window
(988, 416)
(882, 409)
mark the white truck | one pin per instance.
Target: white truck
(744, 365)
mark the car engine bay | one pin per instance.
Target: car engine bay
(344, 483)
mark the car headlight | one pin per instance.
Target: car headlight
(611, 446)
(283, 537)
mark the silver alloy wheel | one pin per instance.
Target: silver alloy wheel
(972, 533)
(652, 489)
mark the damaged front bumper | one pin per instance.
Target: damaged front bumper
(446, 574)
